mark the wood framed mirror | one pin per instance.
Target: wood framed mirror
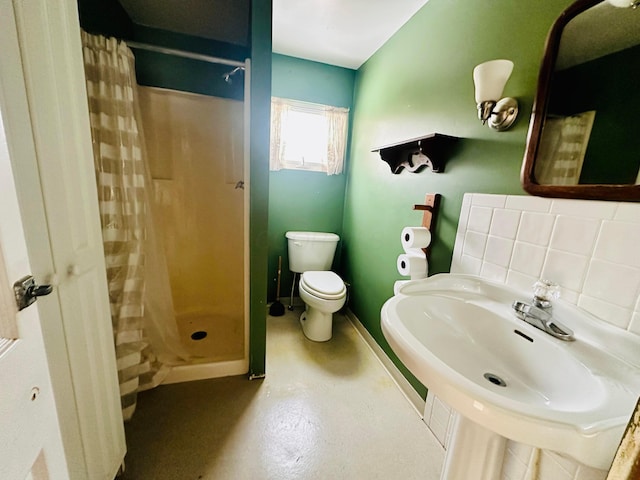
(584, 134)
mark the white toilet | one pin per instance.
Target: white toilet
(322, 291)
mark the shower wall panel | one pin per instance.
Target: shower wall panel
(195, 150)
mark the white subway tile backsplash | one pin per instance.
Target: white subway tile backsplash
(465, 209)
(441, 411)
(529, 204)
(428, 408)
(438, 416)
(513, 467)
(528, 258)
(565, 463)
(610, 313)
(586, 473)
(467, 264)
(440, 419)
(513, 470)
(489, 200)
(494, 272)
(627, 212)
(619, 242)
(498, 251)
(520, 451)
(474, 244)
(582, 208)
(521, 281)
(550, 468)
(566, 269)
(520, 460)
(536, 228)
(591, 248)
(462, 226)
(613, 283)
(570, 296)
(573, 234)
(634, 326)
(480, 219)
(439, 431)
(447, 440)
(505, 223)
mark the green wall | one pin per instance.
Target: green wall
(305, 200)
(261, 13)
(183, 74)
(108, 18)
(420, 82)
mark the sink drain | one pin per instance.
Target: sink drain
(495, 379)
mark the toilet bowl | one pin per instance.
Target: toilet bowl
(323, 293)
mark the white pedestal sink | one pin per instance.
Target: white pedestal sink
(474, 453)
(460, 337)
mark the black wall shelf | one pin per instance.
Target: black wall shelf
(414, 154)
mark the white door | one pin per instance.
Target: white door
(30, 439)
(44, 105)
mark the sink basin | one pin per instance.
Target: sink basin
(459, 335)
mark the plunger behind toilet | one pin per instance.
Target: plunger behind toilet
(277, 309)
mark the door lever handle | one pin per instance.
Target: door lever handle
(240, 184)
(27, 291)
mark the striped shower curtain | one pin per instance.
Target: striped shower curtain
(118, 150)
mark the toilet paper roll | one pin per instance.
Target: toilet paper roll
(413, 265)
(415, 238)
(398, 285)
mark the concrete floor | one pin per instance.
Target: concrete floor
(324, 411)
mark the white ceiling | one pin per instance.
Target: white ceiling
(338, 32)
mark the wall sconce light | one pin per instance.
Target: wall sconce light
(490, 78)
(625, 3)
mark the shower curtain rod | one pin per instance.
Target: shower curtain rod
(182, 53)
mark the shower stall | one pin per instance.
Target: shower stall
(195, 151)
(172, 169)
(198, 159)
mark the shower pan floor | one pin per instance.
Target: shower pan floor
(210, 338)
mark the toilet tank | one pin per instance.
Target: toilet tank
(311, 250)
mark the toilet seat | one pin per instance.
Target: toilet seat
(323, 284)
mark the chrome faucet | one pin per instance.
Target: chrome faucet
(539, 313)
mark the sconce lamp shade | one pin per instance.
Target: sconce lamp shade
(624, 3)
(490, 78)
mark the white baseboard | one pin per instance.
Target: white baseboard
(403, 384)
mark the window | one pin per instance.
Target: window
(307, 136)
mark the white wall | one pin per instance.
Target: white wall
(590, 248)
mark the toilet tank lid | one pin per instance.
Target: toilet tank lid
(313, 236)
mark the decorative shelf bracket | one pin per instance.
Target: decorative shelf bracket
(412, 155)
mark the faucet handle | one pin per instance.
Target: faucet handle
(544, 291)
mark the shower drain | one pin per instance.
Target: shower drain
(199, 335)
(495, 379)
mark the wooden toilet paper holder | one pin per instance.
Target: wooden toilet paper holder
(429, 212)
